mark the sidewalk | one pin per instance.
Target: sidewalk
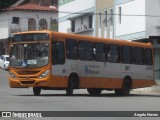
(153, 89)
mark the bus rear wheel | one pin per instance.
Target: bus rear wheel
(125, 91)
(94, 91)
(36, 91)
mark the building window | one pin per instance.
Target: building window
(15, 20)
(31, 24)
(73, 25)
(120, 15)
(54, 25)
(90, 21)
(43, 24)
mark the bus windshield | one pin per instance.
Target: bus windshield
(30, 37)
(29, 55)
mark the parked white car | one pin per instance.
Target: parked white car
(4, 61)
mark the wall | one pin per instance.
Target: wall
(153, 23)
(131, 27)
(3, 25)
(66, 10)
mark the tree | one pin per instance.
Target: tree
(6, 3)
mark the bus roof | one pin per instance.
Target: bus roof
(61, 35)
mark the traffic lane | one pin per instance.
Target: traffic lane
(16, 99)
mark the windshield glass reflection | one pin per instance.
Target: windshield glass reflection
(29, 55)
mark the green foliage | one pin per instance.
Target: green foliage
(6, 3)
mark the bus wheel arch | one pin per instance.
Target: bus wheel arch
(73, 83)
(126, 87)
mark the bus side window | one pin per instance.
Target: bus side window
(148, 56)
(58, 56)
(85, 50)
(139, 56)
(126, 55)
(100, 52)
(71, 49)
(113, 53)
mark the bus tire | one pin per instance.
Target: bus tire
(36, 91)
(69, 90)
(127, 86)
(94, 91)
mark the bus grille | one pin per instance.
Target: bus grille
(27, 82)
(26, 72)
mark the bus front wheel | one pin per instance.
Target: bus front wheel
(94, 91)
(36, 91)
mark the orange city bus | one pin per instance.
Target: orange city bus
(53, 61)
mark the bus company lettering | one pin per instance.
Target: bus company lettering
(91, 69)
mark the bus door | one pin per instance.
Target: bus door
(58, 60)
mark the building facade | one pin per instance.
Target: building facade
(77, 16)
(130, 19)
(23, 18)
(104, 18)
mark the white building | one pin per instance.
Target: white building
(130, 19)
(24, 18)
(136, 19)
(77, 16)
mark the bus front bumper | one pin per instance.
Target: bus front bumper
(26, 83)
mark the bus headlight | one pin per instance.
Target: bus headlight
(12, 75)
(44, 74)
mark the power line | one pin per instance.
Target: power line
(85, 13)
(91, 13)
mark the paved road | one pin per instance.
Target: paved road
(23, 100)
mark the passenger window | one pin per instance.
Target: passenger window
(139, 56)
(71, 49)
(113, 53)
(100, 52)
(58, 53)
(148, 55)
(85, 50)
(126, 54)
